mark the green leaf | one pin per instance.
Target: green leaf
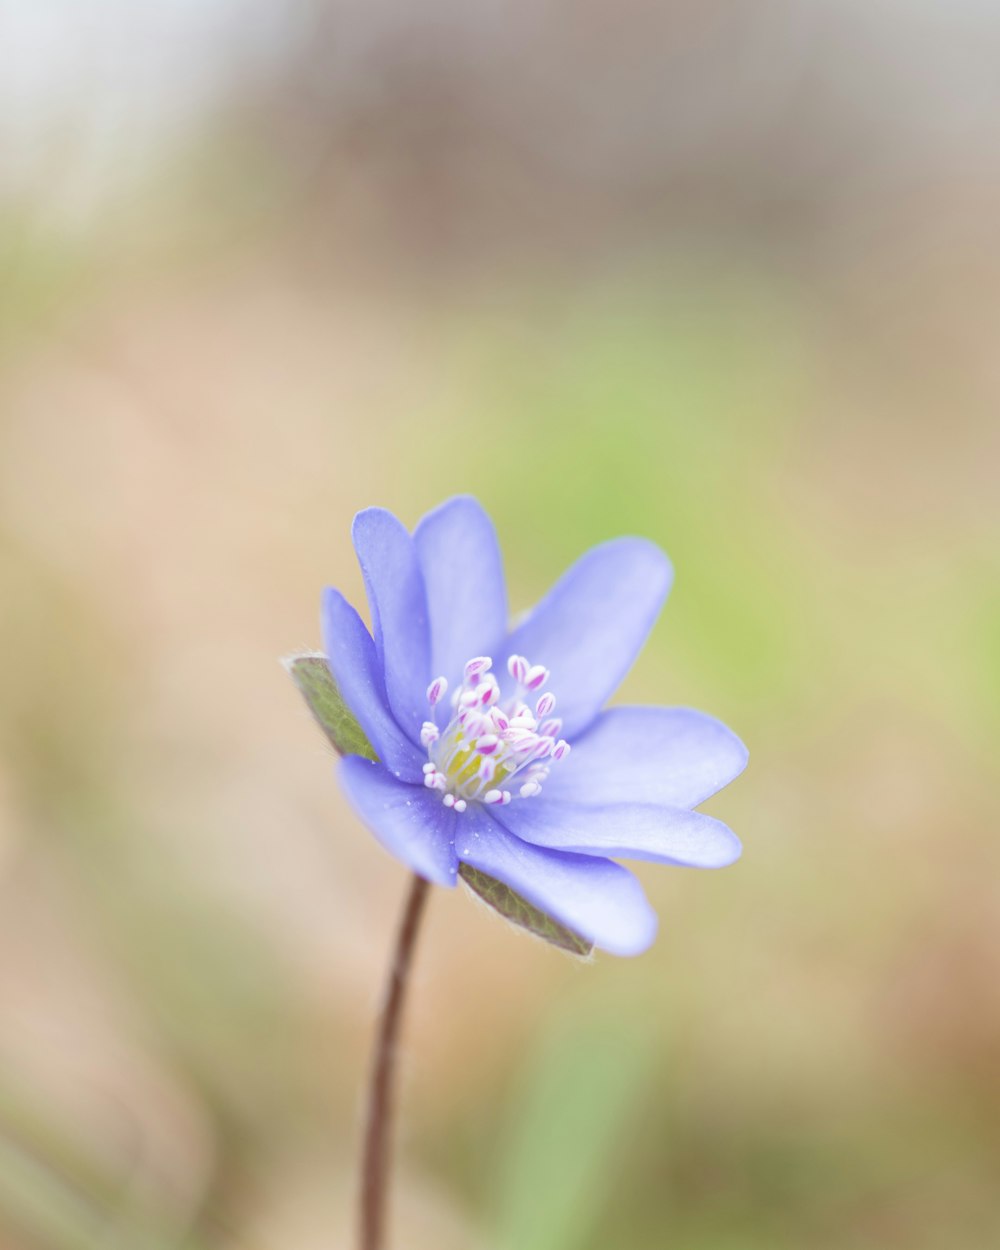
(519, 911)
(311, 673)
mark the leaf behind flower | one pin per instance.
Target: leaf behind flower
(519, 911)
(311, 673)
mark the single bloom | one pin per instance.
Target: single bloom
(496, 755)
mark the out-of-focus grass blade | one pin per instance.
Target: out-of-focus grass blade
(45, 1211)
(562, 1148)
(36, 1205)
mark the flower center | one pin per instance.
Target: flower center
(489, 741)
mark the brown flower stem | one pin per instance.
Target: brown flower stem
(378, 1112)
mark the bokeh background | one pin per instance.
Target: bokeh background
(723, 274)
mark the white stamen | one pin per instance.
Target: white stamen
(522, 718)
(521, 739)
(490, 736)
(545, 705)
(436, 690)
(517, 666)
(474, 723)
(536, 677)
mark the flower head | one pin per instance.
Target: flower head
(495, 756)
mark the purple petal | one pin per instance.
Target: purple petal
(596, 898)
(398, 605)
(668, 835)
(357, 672)
(592, 624)
(409, 821)
(463, 572)
(670, 755)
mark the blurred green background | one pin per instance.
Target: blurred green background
(724, 275)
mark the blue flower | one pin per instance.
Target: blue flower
(494, 748)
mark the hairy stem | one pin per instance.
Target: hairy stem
(378, 1117)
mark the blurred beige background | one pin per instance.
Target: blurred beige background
(726, 275)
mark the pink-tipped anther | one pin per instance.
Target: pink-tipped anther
(536, 677)
(490, 738)
(521, 739)
(545, 705)
(517, 666)
(545, 747)
(436, 690)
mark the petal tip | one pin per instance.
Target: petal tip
(334, 608)
(330, 598)
(660, 562)
(639, 941)
(651, 550)
(727, 851)
(463, 500)
(368, 518)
